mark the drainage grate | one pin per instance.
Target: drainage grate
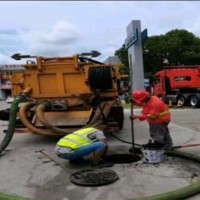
(93, 177)
(122, 158)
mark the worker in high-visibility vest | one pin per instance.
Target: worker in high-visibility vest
(85, 141)
(157, 113)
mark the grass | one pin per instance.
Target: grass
(11, 197)
(128, 106)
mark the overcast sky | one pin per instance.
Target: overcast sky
(64, 28)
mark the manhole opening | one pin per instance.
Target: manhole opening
(122, 158)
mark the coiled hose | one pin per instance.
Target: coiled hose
(100, 78)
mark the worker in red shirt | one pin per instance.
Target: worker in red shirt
(157, 113)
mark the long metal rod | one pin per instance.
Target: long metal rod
(50, 158)
(132, 123)
(132, 130)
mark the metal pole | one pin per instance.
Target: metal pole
(132, 123)
(132, 130)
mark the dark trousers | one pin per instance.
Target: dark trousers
(160, 134)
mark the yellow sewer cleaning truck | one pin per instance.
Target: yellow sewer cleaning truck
(58, 95)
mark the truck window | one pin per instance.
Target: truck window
(156, 80)
(182, 78)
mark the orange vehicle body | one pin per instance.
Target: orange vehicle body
(67, 93)
(175, 83)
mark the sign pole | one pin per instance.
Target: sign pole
(134, 45)
(132, 121)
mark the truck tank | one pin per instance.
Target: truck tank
(58, 95)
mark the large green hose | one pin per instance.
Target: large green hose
(12, 123)
(181, 193)
(12, 197)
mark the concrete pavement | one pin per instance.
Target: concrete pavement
(28, 173)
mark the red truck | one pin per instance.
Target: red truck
(175, 83)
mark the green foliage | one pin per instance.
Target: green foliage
(122, 54)
(176, 47)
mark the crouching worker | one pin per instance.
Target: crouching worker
(156, 112)
(85, 141)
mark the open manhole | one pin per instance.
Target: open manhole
(122, 158)
(93, 177)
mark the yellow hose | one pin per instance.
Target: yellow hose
(41, 117)
(23, 118)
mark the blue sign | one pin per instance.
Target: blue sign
(144, 36)
(132, 39)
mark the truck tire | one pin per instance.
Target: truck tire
(120, 124)
(194, 101)
(117, 115)
(182, 98)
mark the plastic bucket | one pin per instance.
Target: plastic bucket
(153, 155)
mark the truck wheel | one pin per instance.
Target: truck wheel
(182, 99)
(120, 124)
(117, 115)
(194, 101)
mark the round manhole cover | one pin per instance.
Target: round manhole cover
(93, 177)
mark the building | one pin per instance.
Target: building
(5, 74)
(112, 60)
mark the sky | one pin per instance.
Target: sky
(65, 28)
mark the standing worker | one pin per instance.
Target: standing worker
(78, 144)
(157, 113)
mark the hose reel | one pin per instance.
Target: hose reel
(100, 78)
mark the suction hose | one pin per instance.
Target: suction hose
(181, 193)
(25, 121)
(12, 123)
(12, 118)
(41, 117)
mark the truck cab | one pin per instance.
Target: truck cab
(175, 83)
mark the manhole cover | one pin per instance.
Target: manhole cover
(93, 177)
(122, 158)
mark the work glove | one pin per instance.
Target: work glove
(140, 117)
(132, 117)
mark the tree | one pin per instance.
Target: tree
(176, 47)
(183, 47)
(122, 54)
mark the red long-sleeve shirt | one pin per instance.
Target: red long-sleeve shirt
(154, 107)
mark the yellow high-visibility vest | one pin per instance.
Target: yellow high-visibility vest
(160, 114)
(77, 139)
